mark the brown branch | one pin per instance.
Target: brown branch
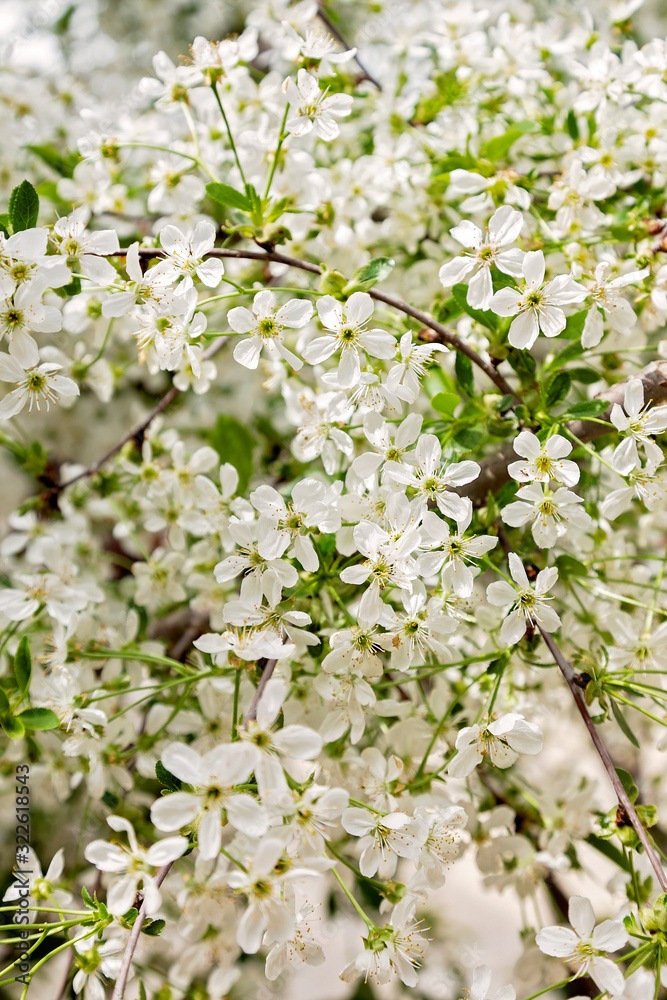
(268, 668)
(444, 336)
(621, 794)
(494, 467)
(126, 964)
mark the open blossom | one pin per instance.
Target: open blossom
(212, 777)
(383, 839)
(134, 865)
(400, 953)
(609, 304)
(543, 461)
(35, 387)
(388, 446)
(346, 327)
(265, 325)
(584, 946)
(485, 251)
(548, 513)
(187, 257)
(284, 526)
(87, 247)
(639, 423)
(312, 109)
(452, 551)
(501, 741)
(643, 483)
(431, 479)
(23, 313)
(536, 306)
(527, 604)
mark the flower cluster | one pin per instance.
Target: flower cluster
(333, 432)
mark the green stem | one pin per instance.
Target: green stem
(229, 133)
(281, 138)
(364, 916)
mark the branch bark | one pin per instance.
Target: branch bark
(130, 947)
(603, 753)
(443, 335)
(494, 467)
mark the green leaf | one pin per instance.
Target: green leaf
(256, 209)
(23, 207)
(627, 782)
(524, 365)
(87, 898)
(575, 325)
(568, 353)
(370, 274)
(11, 725)
(623, 725)
(586, 375)
(5, 225)
(445, 403)
(62, 163)
(485, 318)
(568, 567)
(166, 778)
(153, 927)
(38, 718)
(496, 149)
(464, 375)
(506, 493)
(555, 389)
(572, 125)
(223, 194)
(589, 408)
(469, 437)
(609, 851)
(234, 443)
(23, 665)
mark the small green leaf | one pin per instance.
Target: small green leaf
(568, 567)
(234, 443)
(370, 274)
(586, 375)
(572, 125)
(568, 353)
(153, 927)
(496, 149)
(555, 389)
(23, 207)
(627, 782)
(166, 778)
(589, 408)
(464, 375)
(445, 403)
(506, 493)
(38, 718)
(23, 665)
(574, 326)
(223, 194)
(623, 725)
(484, 317)
(62, 163)
(10, 724)
(469, 437)
(86, 897)
(5, 225)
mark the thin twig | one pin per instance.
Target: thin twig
(331, 27)
(621, 794)
(126, 964)
(444, 336)
(269, 667)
